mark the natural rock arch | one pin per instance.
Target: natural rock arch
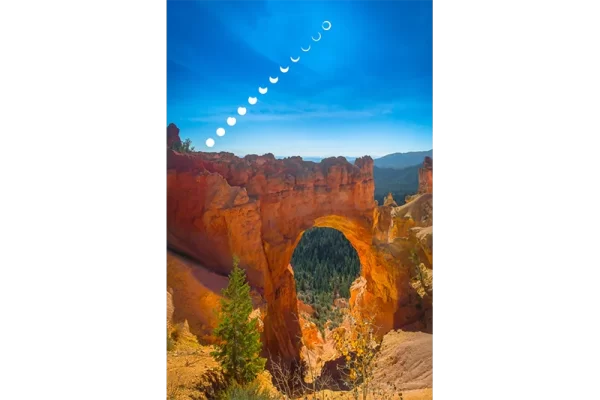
(257, 208)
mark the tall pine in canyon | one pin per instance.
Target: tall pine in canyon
(239, 343)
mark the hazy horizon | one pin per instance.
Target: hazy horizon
(307, 157)
(201, 148)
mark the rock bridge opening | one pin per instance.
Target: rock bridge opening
(325, 265)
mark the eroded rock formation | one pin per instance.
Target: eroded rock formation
(426, 176)
(172, 135)
(389, 201)
(257, 207)
(408, 231)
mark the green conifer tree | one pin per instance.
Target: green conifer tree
(239, 339)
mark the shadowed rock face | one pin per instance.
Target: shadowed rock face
(194, 296)
(257, 208)
(172, 135)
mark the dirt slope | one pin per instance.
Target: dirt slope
(405, 361)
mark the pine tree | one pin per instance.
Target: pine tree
(239, 339)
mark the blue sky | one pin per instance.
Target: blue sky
(364, 89)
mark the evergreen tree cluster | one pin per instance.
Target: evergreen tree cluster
(183, 147)
(399, 182)
(325, 265)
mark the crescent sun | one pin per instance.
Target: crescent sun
(262, 90)
(328, 25)
(296, 60)
(316, 40)
(302, 48)
(284, 70)
(273, 80)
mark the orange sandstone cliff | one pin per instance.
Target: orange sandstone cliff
(257, 207)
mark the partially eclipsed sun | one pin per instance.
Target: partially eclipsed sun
(231, 121)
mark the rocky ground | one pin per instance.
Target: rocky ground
(419, 394)
(193, 374)
(187, 370)
(404, 365)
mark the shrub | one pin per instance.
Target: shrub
(170, 342)
(248, 392)
(183, 147)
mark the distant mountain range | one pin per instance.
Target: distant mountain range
(398, 174)
(318, 159)
(402, 160)
(394, 160)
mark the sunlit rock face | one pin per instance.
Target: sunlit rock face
(257, 207)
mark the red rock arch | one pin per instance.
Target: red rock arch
(257, 208)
